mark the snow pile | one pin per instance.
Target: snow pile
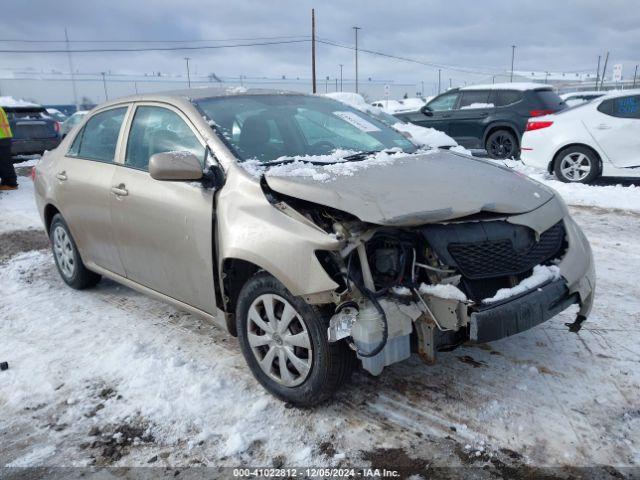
(18, 207)
(446, 291)
(540, 275)
(236, 90)
(15, 102)
(477, 105)
(354, 100)
(601, 196)
(336, 165)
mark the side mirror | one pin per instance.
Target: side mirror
(426, 110)
(213, 177)
(175, 166)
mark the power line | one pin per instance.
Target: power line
(236, 39)
(156, 49)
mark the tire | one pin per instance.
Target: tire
(501, 144)
(321, 369)
(67, 258)
(576, 164)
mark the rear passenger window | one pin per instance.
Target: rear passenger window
(99, 137)
(475, 99)
(158, 130)
(626, 107)
(502, 98)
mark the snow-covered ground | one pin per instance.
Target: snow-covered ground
(108, 376)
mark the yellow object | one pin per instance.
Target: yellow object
(5, 128)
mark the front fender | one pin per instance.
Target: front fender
(250, 228)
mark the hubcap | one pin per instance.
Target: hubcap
(279, 340)
(575, 166)
(63, 250)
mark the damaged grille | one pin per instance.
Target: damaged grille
(498, 257)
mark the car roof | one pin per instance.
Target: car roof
(621, 93)
(198, 94)
(584, 92)
(521, 86)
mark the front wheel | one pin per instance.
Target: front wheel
(284, 341)
(502, 144)
(576, 164)
(67, 257)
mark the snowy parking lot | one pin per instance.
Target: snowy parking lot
(109, 377)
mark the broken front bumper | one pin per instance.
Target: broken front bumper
(521, 313)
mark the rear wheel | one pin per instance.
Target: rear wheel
(501, 144)
(284, 341)
(576, 164)
(67, 257)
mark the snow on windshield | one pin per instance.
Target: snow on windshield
(336, 165)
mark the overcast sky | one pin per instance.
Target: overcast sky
(469, 35)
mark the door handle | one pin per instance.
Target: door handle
(62, 176)
(484, 114)
(119, 190)
(603, 126)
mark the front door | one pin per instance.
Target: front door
(164, 228)
(438, 113)
(83, 180)
(467, 122)
(616, 127)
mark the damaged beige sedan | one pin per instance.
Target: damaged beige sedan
(318, 235)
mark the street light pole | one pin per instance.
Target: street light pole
(104, 84)
(313, 50)
(341, 65)
(439, 75)
(635, 74)
(513, 55)
(73, 77)
(188, 73)
(356, 31)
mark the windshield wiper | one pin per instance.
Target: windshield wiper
(360, 155)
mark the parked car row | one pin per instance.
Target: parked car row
(491, 117)
(315, 232)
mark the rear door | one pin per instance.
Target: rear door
(83, 180)
(164, 228)
(439, 113)
(615, 125)
(467, 122)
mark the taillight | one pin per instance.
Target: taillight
(537, 125)
(56, 127)
(33, 173)
(539, 113)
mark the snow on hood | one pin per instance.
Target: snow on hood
(400, 189)
(15, 102)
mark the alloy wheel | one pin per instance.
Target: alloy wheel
(501, 146)
(63, 249)
(575, 166)
(279, 340)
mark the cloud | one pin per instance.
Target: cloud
(550, 35)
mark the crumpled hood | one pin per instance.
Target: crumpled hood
(418, 189)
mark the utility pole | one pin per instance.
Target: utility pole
(439, 72)
(449, 83)
(513, 55)
(313, 49)
(104, 84)
(604, 69)
(356, 31)
(422, 89)
(73, 77)
(326, 85)
(341, 65)
(635, 74)
(188, 72)
(598, 72)
(336, 84)
(135, 85)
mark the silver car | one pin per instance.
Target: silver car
(317, 234)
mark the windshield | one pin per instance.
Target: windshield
(269, 127)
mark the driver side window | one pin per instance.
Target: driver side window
(444, 102)
(158, 130)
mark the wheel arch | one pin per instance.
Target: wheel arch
(495, 126)
(50, 211)
(559, 150)
(235, 273)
